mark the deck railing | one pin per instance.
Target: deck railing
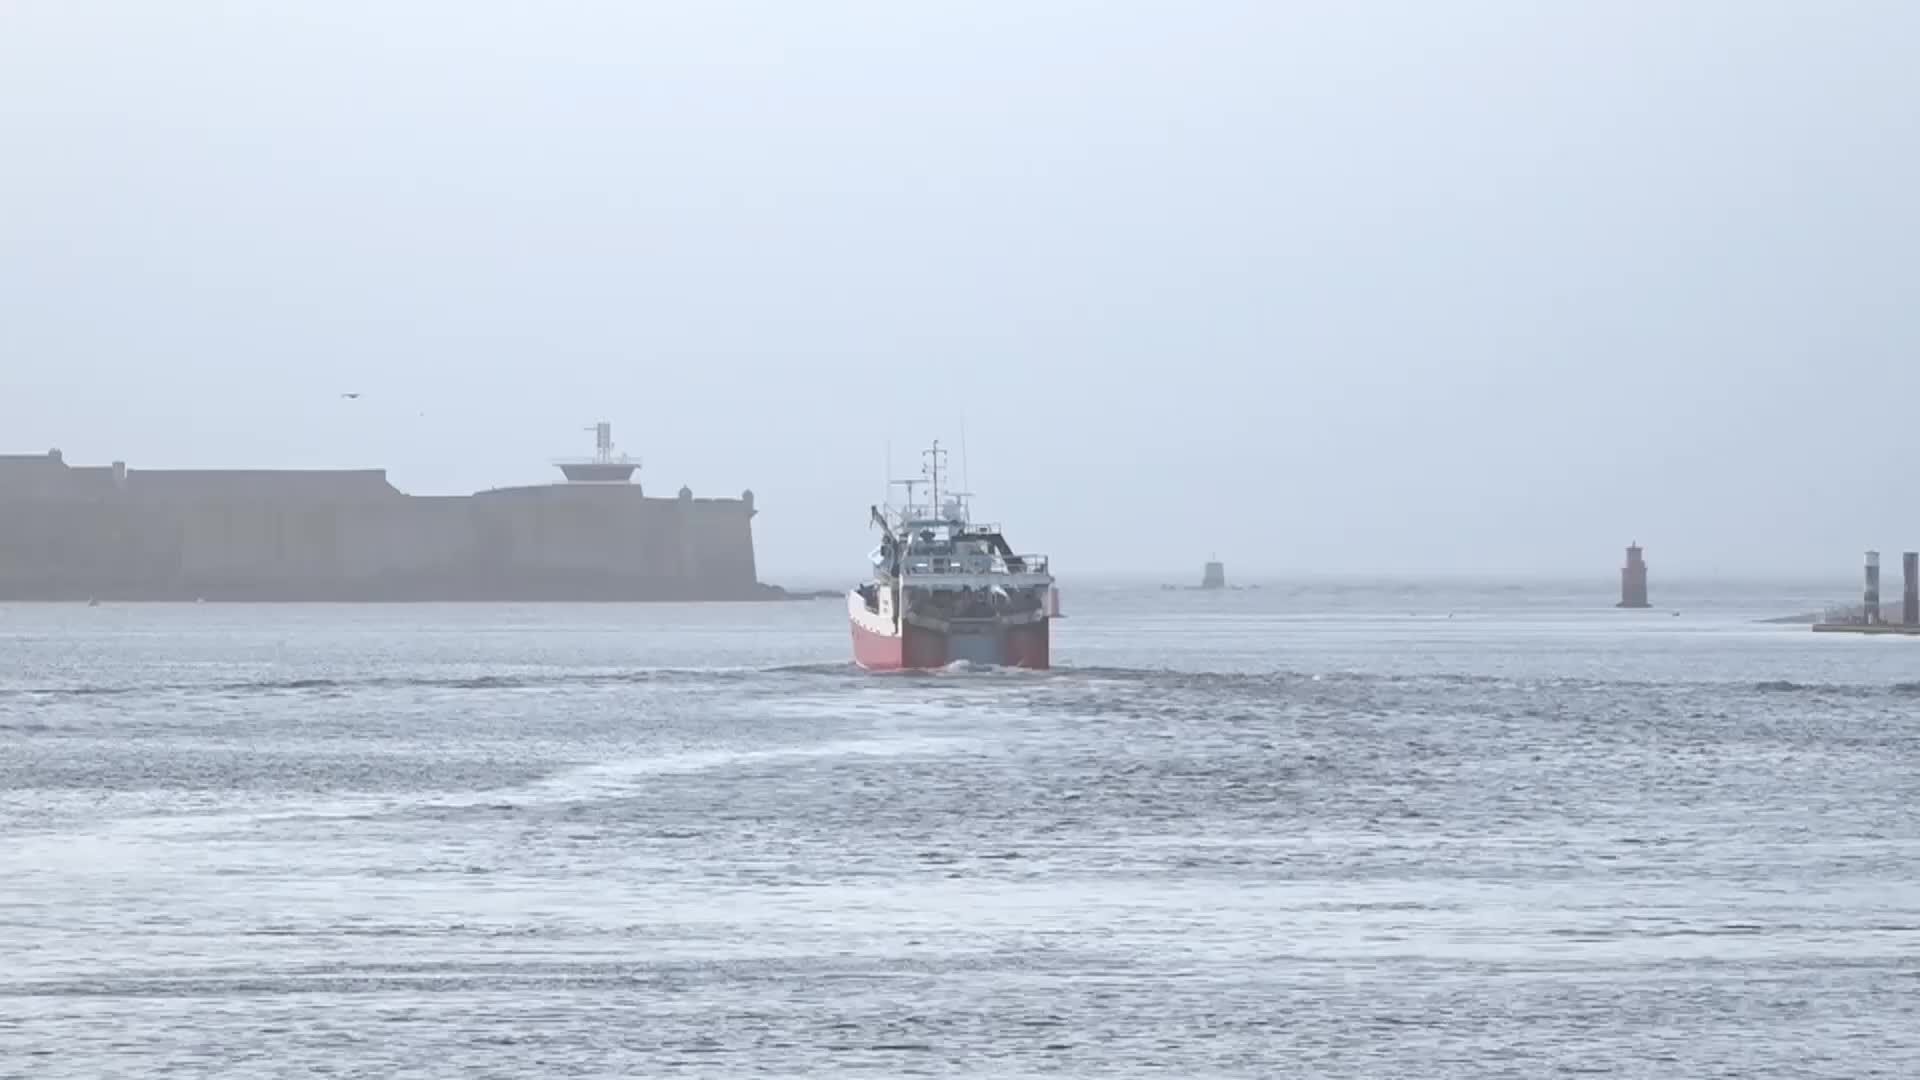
(938, 566)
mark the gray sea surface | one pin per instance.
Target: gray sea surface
(1444, 830)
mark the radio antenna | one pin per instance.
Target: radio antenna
(966, 476)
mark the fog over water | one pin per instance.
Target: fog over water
(1466, 288)
(1414, 314)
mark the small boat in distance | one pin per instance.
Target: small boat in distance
(946, 589)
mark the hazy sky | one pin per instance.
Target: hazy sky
(1345, 286)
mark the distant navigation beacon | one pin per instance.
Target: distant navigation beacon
(1215, 575)
(1633, 579)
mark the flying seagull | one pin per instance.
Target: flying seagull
(349, 395)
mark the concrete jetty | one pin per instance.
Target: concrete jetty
(1867, 618)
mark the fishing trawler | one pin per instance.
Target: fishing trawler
(946, 589)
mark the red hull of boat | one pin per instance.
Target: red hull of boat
(916, 649)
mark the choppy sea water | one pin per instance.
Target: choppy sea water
(1440, 832)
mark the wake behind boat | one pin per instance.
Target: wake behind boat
(946, 589)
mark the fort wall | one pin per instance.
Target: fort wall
(113, 533)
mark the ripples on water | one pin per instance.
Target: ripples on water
(1217, 842)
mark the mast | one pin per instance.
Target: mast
(966, 479)
(965, 493)
(966, 473)
(933, 471)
